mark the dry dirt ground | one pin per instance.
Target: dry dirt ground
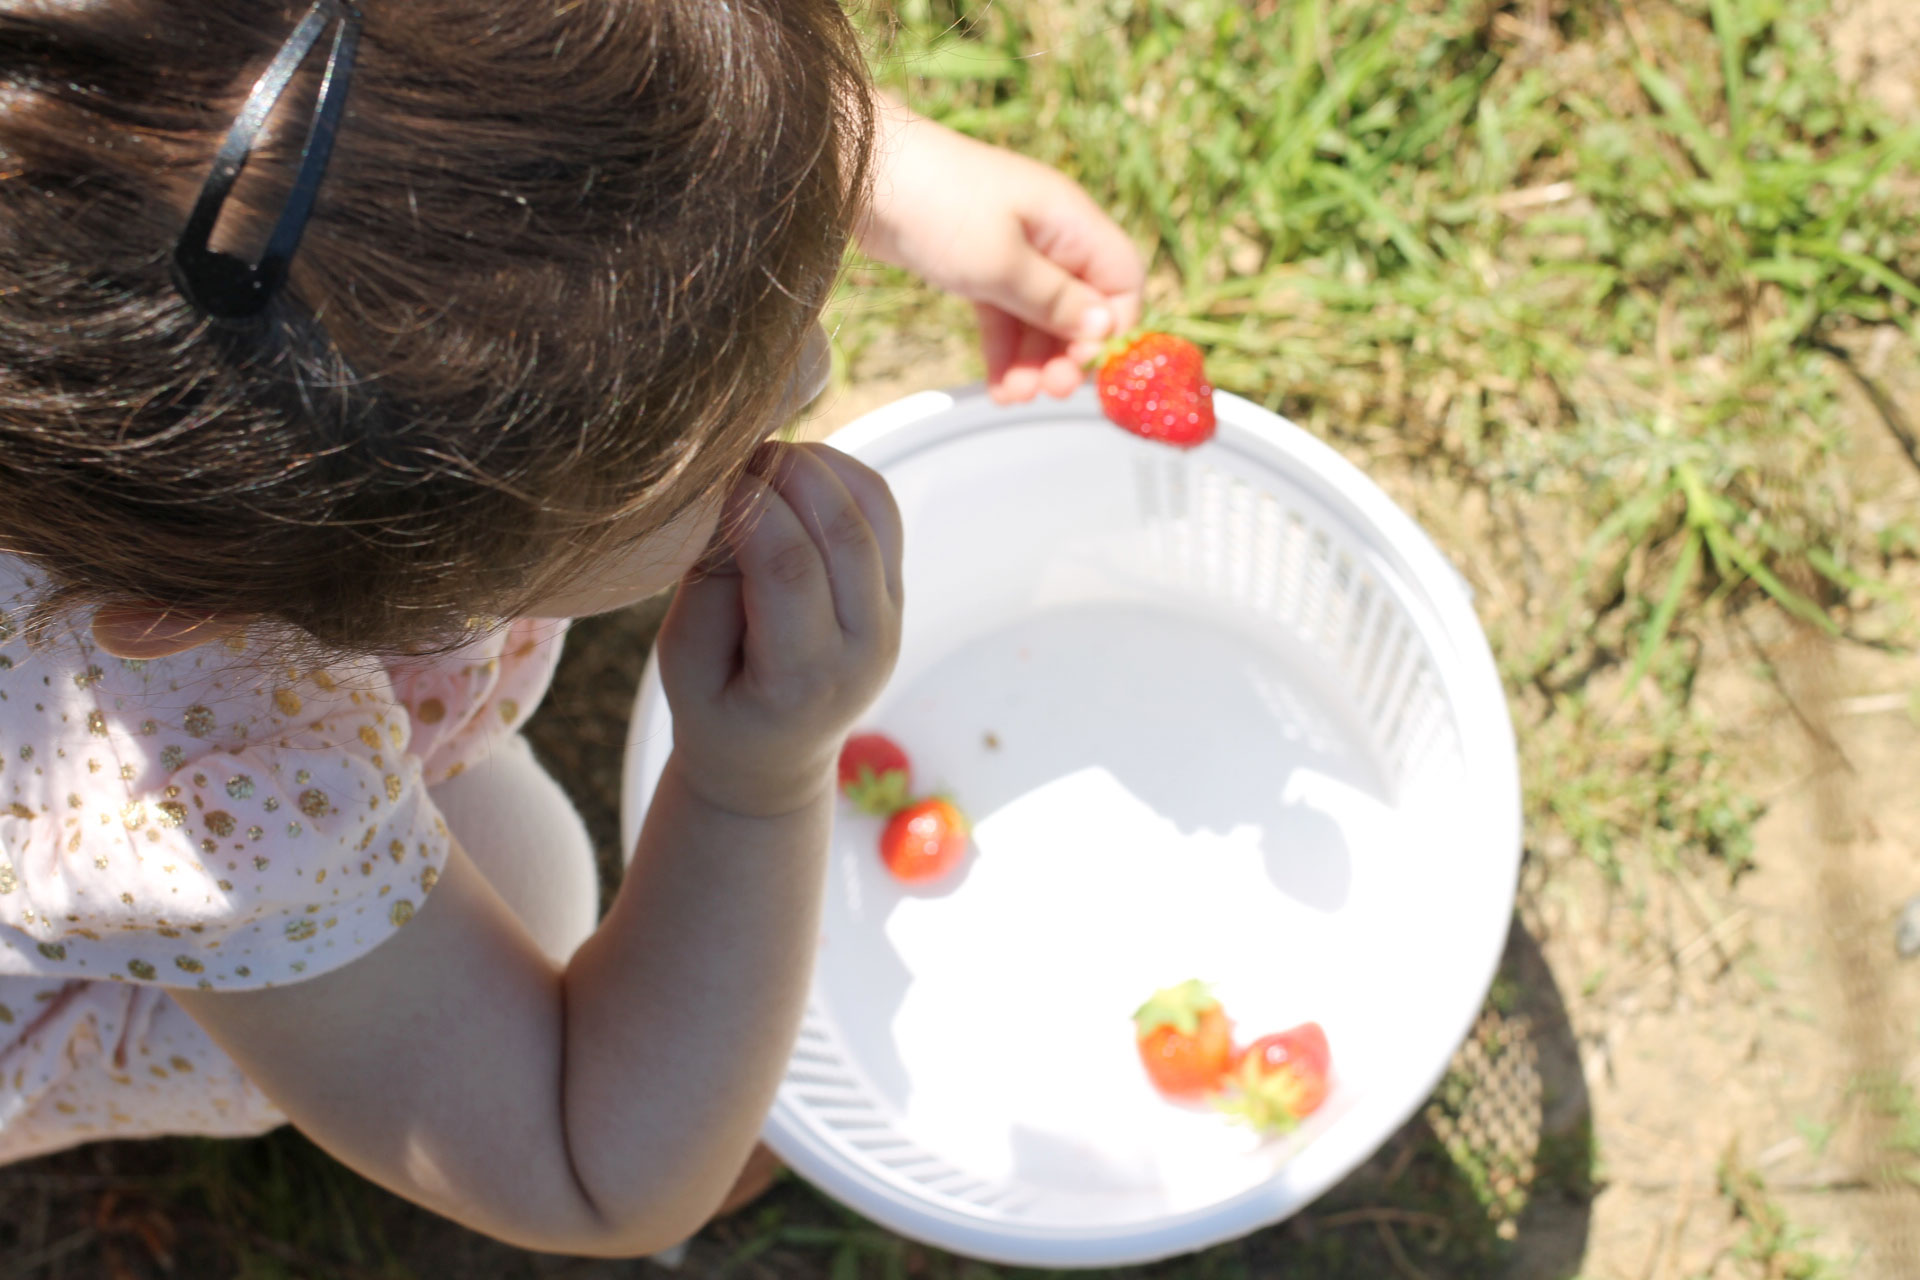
(1774, 1027)
(1760, 1027)
(1877, 45)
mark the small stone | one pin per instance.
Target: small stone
(1907, 937)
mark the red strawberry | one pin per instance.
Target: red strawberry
(1156, 387)
(1185, 1040)
(874, 774)
(925, 840)
(1280, 1079)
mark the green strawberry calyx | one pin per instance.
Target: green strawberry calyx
(881, 794)
(1179, 1006)
(1268, 1101)
(1119, 342)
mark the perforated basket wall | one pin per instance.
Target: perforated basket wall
(1255, 542)
(1264, 533)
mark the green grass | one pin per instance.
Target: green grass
(1646, 791)
(1770, 1246)
(1604, 269)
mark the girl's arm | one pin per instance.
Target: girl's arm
(606, 1108)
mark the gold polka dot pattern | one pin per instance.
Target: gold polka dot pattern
(113, 1059)
(143, 845)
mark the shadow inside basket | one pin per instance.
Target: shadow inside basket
(1492, 1178)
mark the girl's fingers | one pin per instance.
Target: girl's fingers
(1030, 356)
(1059, 376)
(700, 639)
(999, 335)
(1018, 379)
(844, 537)
(784, 593)
(1023, 360)
(1084, 353)
(1064, 224)
(1050, 297)
(876, 502)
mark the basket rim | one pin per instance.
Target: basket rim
(1471, 688)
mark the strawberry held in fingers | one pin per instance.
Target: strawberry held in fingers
(1156, 387)
(875, 774)
(1185, 1040)
(925, 840)
(1280, 1079)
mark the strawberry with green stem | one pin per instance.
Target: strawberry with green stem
(1185, 1040)
(875, 774)
(1280, 1079)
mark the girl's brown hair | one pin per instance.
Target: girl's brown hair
(561, 266)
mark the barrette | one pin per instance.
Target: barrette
(229, 287)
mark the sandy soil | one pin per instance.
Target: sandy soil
(1758, 1027)
(1755, 1025)
(1876, 44)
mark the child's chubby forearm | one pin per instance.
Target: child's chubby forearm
(604, 1109)
(725, 913)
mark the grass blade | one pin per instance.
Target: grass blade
(1728, 549)
(1680, 119)
(1625, 523)
(1871, 268)
(1396, 227)
(1726, 30)
(1655, 633)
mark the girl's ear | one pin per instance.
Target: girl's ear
(154, 631)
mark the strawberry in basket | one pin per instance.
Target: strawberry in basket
(925, 840)
(875, 774)
(1280, 1079)
(1156, 387)
(1185, 1040)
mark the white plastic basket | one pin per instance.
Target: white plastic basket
(1223, 714)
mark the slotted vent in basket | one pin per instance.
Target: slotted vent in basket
(1257, 545)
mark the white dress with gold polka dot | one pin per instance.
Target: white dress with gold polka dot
(218, 819)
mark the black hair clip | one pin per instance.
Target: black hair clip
(221, 284)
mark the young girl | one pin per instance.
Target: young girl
(490, 328)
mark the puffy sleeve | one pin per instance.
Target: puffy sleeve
(464, 703)
(205, 820)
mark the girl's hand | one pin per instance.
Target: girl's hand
(1049, 274)
(778, 642)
